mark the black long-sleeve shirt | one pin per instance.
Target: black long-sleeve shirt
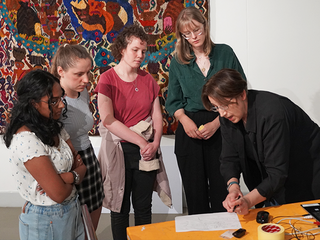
(278, 152)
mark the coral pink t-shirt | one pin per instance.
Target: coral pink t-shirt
(129, 106)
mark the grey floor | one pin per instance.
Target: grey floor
(9, 224)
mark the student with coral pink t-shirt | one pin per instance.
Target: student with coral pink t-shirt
(129, 106)
(127, 96)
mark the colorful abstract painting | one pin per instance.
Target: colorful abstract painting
(32, 30)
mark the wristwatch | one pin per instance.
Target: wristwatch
(76, 177)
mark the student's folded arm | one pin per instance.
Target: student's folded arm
(42, 170)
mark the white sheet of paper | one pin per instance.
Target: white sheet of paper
(207, 222)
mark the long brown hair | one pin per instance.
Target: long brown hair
(187, 17)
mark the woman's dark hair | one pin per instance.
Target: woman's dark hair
(124, 37)
(225, 84)
(30, 89)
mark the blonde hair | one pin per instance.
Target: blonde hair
(66, 56)
(187, 16)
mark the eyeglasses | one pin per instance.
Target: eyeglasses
(195, 32)
(55, 101)
(223, 108)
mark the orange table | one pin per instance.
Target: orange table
(167, 231)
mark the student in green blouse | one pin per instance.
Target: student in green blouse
(198, 137)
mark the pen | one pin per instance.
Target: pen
(234, 208)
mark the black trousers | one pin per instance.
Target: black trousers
(199, 166)
(138, 186)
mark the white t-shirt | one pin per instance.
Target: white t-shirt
(25, 146)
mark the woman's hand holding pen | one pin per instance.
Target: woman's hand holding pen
(231, 201)
(236, 202)
(241, 206)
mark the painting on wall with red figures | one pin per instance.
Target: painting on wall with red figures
(32, 30)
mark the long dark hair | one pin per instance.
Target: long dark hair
(30, 89)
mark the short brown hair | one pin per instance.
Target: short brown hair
(186, 18)
(124, 37)
(227, 83)
(66, 57)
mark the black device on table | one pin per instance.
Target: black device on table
(313, 209)
(262, 217)
(239, 233)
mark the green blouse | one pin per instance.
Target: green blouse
(186, 80)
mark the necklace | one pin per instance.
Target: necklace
(135, 86)
(202, 68)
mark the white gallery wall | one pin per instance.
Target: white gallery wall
(278, 45)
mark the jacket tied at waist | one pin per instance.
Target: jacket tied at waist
(112, 166)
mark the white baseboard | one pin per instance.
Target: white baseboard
(11, 199)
